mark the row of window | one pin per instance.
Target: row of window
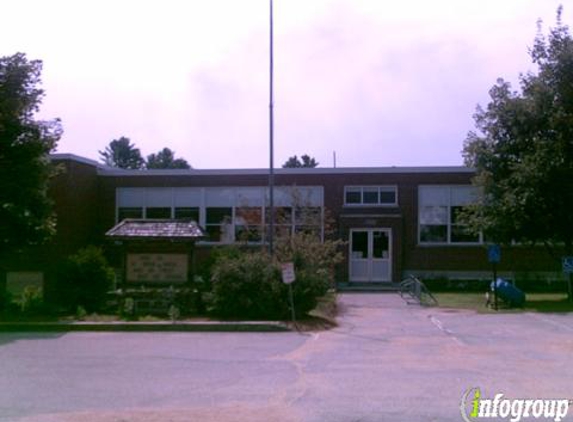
(230, 224)
(228, 214)
(370, 196)
(233, 214)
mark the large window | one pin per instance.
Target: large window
(370, 196)
(158, 212)
(439, 209)
(187, 213)
(249, 224)
(219, 222)
(129, 212)
(228, 214)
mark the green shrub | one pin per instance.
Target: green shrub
(248, 284)
(31, 300)
(81, 313)
(7, 305)
(84, 280)
(127, 310)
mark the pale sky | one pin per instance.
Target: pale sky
(382, 83)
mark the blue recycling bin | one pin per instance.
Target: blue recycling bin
(509, 293)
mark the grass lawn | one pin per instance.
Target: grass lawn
(535, 302)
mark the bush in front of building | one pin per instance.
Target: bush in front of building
(314, 263)
(84, 280)
(248, 283)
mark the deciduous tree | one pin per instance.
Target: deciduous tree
(26, 214)
(523, 150)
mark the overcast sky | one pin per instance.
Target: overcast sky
(380, 82)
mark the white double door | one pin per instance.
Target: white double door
(370, 255)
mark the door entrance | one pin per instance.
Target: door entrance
(370, 255)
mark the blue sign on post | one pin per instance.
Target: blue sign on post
(494, 254)
(567, 264)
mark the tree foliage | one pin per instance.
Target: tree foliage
(305, 161)
(523, 150)
(26, 214)
(165, 159)
(84, 280)
(248, 282)
(123, 154)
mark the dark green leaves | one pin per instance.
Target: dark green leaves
(523, 150)
(26, 215)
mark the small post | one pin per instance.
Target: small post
(495, 286)
(494, 257)
(567, 262)
(3, 288)
(292, 313)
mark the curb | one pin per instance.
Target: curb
(207, 326)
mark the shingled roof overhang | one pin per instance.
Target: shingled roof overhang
(172, 230)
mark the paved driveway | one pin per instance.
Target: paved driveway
(387, 361)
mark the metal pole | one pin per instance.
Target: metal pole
(495, 286)
(291, 298)
(271, 135)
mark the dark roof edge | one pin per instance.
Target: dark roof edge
(79, 159)
(236, 172)
(104, 170)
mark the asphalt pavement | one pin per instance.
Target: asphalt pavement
(386, 361)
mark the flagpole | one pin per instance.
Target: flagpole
(271, 133)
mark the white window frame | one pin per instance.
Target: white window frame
(449, 224)
(381, 188)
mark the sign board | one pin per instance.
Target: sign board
(16, 282)
(288, 273)
(494, 254)
(157, 267)
(567, 264)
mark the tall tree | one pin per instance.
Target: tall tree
(305, 162)
(123, 154)
(165, 159)
(523, 150)
(26, 214)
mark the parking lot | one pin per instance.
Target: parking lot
(387, 361)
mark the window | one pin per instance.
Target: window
(283, 223)
(249, 224)
(439, 211)
(370, 196)
(353, 196)
(187, 213)
(158, 212)
(129, 212)
(308, 220)
(219, 223)
(460, 232)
